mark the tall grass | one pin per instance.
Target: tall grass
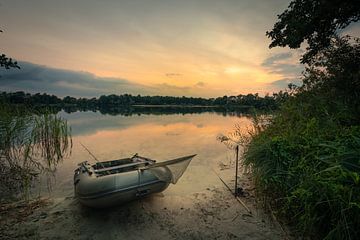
(306, 162)
(30, 144)
(306, 165)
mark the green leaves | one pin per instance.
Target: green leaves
(313, 21)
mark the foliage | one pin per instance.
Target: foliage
(335, 75)
(306, 162)
(249, 100)
(309, 168)
(30, 144)
(314, 21)
(6, 62)
(241, 136)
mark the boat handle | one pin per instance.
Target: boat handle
(142, 193)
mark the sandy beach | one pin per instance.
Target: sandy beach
(212, 213)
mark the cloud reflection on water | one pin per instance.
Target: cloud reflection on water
(160, 137)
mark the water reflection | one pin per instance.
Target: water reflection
(162, 110)
(159, 137)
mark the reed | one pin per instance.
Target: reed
(31, 143)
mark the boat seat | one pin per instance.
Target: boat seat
(134, 164)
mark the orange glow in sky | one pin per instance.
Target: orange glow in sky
(196, 48)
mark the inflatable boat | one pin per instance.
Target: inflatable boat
(110, 183)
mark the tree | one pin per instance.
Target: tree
(313, 142)
(314, 21)
(335, 77)
(6, 62)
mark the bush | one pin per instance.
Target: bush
(306, 163)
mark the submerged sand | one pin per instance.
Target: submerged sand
(210, 213)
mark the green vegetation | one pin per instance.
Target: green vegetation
(306, 162)
(30, 144)
(316, 21)
(245, 101)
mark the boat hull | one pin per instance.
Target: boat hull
(122, 196)
(114, 182)
(116, 189)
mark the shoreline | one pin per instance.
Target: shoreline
(211, 213)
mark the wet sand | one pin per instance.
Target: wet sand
(211, 213)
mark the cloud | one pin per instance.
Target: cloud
(283, 83)
(200, 84)
(172, 90)
(270, 61)
(173, 75)
(287, 69)
(284, 64)
(353, 30)
(36, 78)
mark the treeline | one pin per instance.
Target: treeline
(246, 101)
(156, 110)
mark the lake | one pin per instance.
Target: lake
(156, 136)
(198, 206)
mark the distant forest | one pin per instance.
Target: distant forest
(125, 100)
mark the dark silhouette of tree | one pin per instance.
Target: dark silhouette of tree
(314, 21)
(6, 62)
(127, 100)
(335, 77)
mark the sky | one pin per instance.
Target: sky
(205, 48)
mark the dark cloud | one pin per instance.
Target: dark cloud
(277, 64)
(273, 59)
(37, 78)
(288, 69)
(283, 83)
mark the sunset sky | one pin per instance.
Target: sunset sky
(202, 48)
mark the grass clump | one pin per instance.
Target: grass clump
(31, 143)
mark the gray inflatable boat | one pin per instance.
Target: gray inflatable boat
(110, 183)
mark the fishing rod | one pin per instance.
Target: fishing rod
(97, 160)
(236, 197)
(89, 152)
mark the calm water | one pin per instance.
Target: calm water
(159, 137)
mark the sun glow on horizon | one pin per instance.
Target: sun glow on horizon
(182, 48)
